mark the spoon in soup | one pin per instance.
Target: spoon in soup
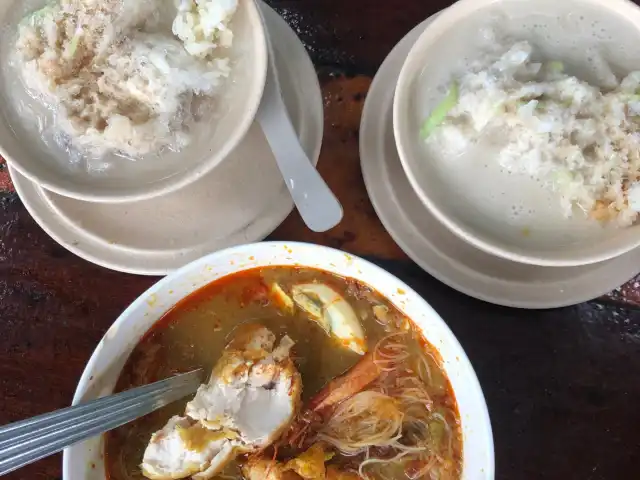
(318, 206)
(24, 442)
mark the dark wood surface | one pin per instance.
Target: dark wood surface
(562, 386)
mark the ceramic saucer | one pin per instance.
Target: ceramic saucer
(440, 252)
(242, 200)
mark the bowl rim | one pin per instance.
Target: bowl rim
(184, 178)
(445, 20)
(481, 424)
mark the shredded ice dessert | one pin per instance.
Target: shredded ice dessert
(580, 140)
(115, 81)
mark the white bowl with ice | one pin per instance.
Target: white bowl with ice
(121, 100)
(522, 137)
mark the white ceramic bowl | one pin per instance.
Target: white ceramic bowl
(235, 108)
(84, 461)
(507, 215)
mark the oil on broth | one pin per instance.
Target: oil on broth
(194, 332)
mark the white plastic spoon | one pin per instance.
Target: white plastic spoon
(318, 206)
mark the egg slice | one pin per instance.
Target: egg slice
(251, 398)
(332, 312)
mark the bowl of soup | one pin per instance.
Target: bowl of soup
(318, 364)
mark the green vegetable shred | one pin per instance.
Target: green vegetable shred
(441, 111)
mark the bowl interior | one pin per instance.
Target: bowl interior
(225, 124)
(510, 215)
(84, 460)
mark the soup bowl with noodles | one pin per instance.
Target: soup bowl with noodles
(321, 364)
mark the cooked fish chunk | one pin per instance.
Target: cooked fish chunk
(172, 452)
(254, 389)
(252, 337)
(251, 398)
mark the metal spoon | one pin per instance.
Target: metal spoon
(29, 440)
(318, 206)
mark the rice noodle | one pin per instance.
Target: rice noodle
(440, 417)
(367, 419)
(424, 371)
(394, 414)
(372, 461)
(387, 355)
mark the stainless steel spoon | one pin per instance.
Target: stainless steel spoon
(29, 440)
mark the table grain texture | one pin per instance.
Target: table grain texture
(563, 386)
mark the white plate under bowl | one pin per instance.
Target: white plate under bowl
(510, 215)
(85, 461)
(242, 200)
(441, 253)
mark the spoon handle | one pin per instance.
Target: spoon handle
(318, 206)
(29, 440)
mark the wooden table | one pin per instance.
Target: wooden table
(562, 386)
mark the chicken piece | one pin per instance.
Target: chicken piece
(332, 312)
(251, 398)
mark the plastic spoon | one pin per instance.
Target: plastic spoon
(318, 206)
